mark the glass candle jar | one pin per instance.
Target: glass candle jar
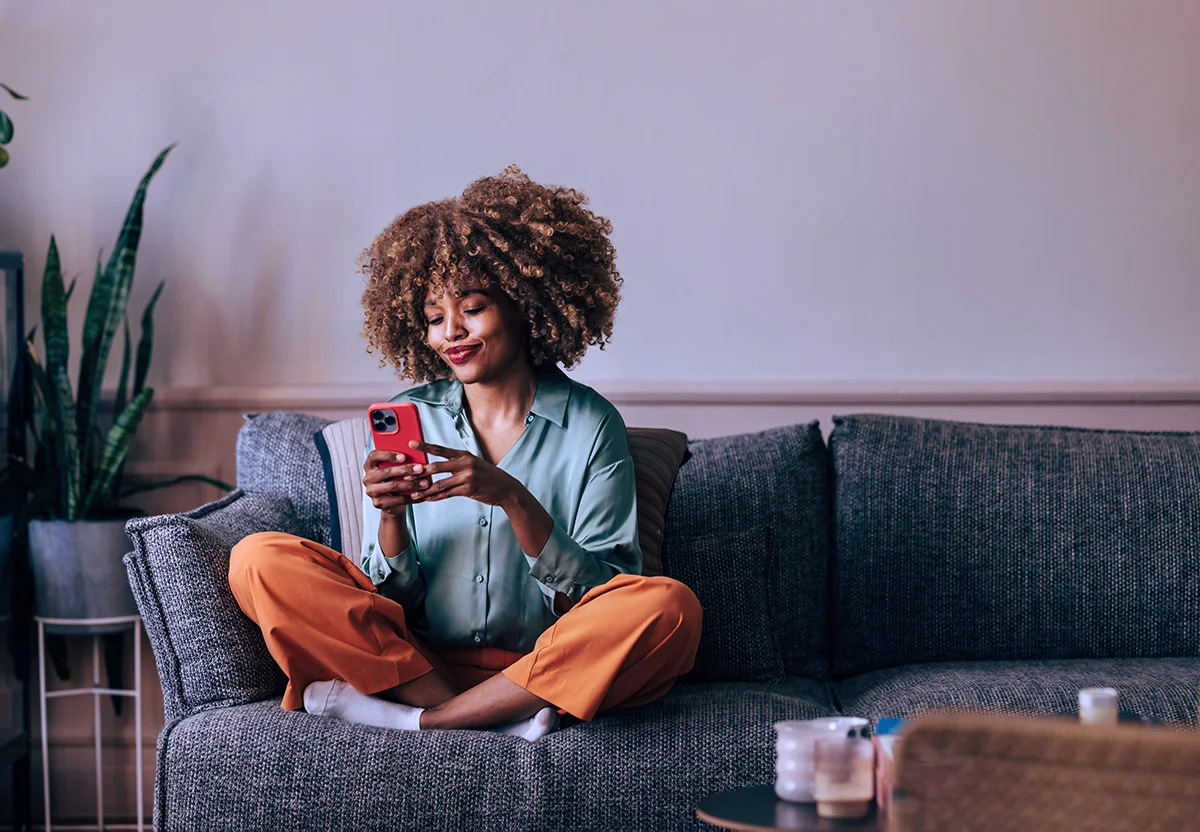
(843, 777)
(794, 752)
(1098, 706)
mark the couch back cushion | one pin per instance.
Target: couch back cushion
(747, 529)
(276, 454)
(966, 542)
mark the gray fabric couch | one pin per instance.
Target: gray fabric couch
(909, 565)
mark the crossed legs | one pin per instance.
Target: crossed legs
(323, 621)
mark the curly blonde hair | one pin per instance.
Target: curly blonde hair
(539, 245)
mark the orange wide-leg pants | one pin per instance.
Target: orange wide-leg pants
(623, 645)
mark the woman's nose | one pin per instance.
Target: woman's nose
(455, 325)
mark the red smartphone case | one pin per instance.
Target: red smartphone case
(394, 425)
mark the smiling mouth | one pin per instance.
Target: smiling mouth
(458, 355)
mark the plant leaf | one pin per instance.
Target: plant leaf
(3, 157)
(71, 288)
(116, 446)
(126, 360)
(54, 333)
(14, 93)
(107, 305)
(52, 415)
(54, 315)
(146, 342)
(6, 128)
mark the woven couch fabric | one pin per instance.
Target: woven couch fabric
(209, 654)
(1165, 690)
(257, 767)
(968, 542)
(748, 530)
(276, 454)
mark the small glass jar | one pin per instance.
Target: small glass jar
(843, 777)
(794, 752)
(1098, 706)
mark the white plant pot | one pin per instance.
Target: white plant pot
(78, 571)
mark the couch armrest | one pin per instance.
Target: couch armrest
(208, 653)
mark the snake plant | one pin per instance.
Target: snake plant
(77, 468)
(6, 125)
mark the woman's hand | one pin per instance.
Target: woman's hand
(470, 477)
(391, 486)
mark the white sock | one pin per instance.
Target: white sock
(339, 700)
(534, 728)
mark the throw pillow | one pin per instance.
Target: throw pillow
(748, 531)
(275, 454)
(657, 454)
(209, 652)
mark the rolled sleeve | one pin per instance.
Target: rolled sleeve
(602, 542)
(398, 578)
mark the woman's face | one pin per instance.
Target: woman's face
(477, 331)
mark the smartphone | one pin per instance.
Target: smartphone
(394, 425)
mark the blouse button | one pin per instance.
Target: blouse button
(478, 638)
(483, 521)
(479, 579)
(528, 418)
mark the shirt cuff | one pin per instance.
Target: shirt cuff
(379, 567)
(556, 567)
(404, 565)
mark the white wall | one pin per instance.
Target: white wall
(921, 190)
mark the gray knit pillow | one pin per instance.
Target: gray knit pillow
(208, 651)
(962, 542)
(276, 454)
(748, 531)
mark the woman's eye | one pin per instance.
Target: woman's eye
(474, 311)
(434, 321)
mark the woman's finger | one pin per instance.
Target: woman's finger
(396, 486)
(444, 484)
(450, 465)
(377, 458)
(432, 496)
(438, 450)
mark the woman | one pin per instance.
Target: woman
(499, 588)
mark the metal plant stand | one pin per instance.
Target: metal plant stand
(62, 625)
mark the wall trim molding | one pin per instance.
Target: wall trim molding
(744, 393)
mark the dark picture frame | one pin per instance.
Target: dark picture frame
(15, 583)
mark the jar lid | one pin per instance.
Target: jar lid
(1098, 698)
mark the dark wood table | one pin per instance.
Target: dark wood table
(757, 809)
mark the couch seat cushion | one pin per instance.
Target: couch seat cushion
(1160, 689)
(257, 767)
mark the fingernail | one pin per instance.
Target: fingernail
(417, 468)
(400, 457)
(424, 483)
